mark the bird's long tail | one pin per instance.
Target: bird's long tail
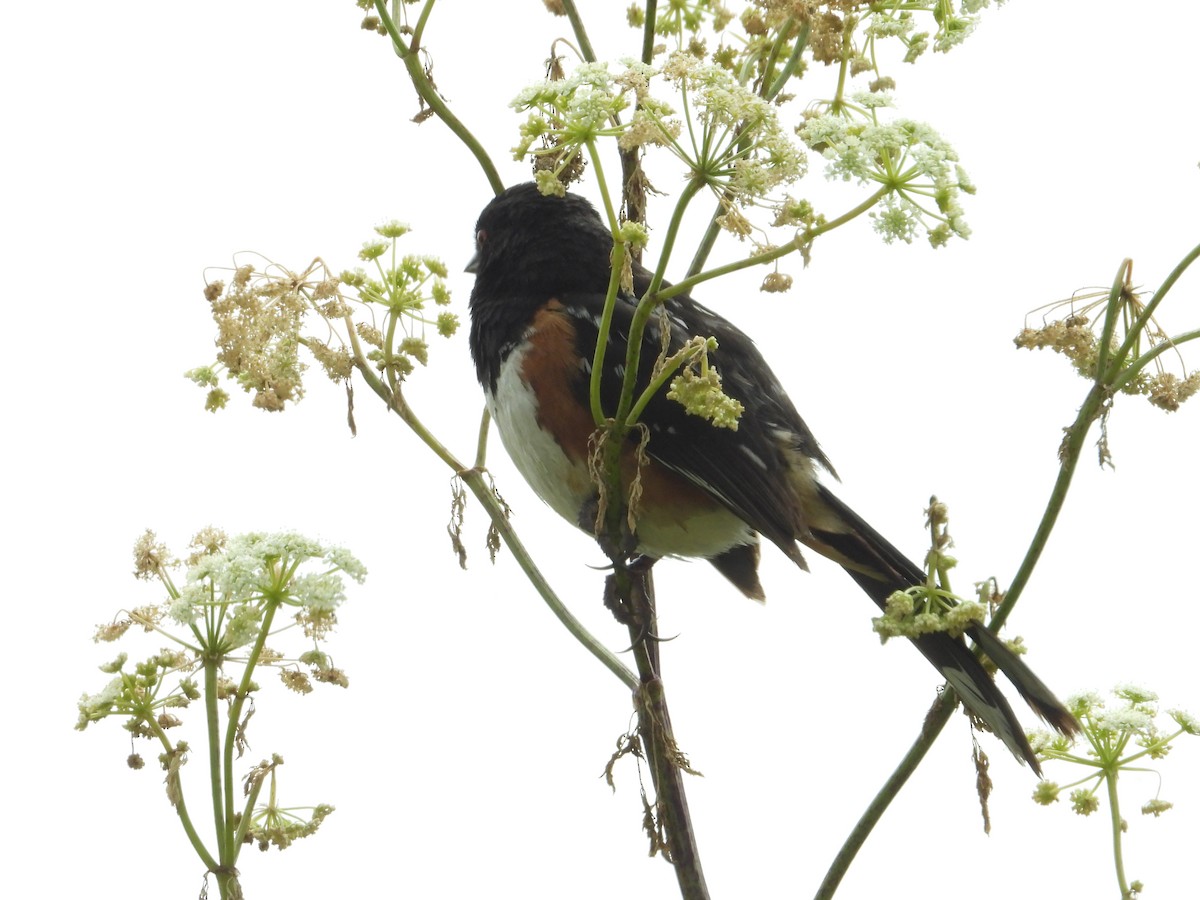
(880, 570)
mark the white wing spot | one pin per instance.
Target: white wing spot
(754, 457)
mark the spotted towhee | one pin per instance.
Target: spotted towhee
(541, 274)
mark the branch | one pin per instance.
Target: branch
(634, 590)
(1070, 451)
(428, 93)
(473, 478)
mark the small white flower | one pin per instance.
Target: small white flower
(187, 607)
(1129, 718)
(1135, 693)
(347, 562)
(1186, 720)
(321, 592)
(91, 705)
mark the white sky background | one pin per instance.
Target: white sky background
(146, 142)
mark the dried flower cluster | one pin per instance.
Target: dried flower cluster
(261, 321)
(1076, 338)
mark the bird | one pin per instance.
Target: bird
(542, 270)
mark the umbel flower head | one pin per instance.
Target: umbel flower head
(733, 140)
(916, 170)
(231, 592)
(261, 318)
(1116, 733)
(219, 622)
(1078, 336)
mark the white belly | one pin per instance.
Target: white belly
(566, 485)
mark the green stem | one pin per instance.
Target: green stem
(935, 721)
(231, 728)
(1111, 312)
(773, 54)
(622, 422)
(1072, 449)
(581, 35)
(610, 304)
(180, 805)
(429, 94)
(1110, 782)
(843, 66)
(473, 478)
(684, 286)
(239, 837)
(690, 190)
(704, 248)
(610, 212)
(939, 714)
(213, 717)
(648, 31)
(481, 443)
(1133, 369)
(789, 67)
(419, 28)
(657, 383)
(1143, 320)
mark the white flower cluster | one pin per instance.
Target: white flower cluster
(575, 109)
(252, 567)
(733, 142)
(909, 159)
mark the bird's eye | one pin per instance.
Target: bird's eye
(480, 238)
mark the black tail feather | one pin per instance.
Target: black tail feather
(880, 570)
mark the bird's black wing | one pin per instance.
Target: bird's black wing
(740, 468)
(759, 473)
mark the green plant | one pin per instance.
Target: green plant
(233, 596)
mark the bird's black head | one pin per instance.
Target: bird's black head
(530, 248)
(528, 244)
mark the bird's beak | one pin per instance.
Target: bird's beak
(473, 265)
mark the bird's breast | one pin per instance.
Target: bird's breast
(539, 407)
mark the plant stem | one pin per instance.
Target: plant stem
(648, 31)
(213, 717)
(473, 478)
(581, 35)
(610, 303)
(789, 68)
(481, 443)
(429, 94)
(229, 858)
(684, 286)
(705, 247)
(1143, 320)
(180, 804)
(1111, 310)
(658, 737)
(419, 28)
(248, 810)
(1072, 449)
(939, 714)
(1114, 806)
(710, 235)
(690, 190)
(1135, 367)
